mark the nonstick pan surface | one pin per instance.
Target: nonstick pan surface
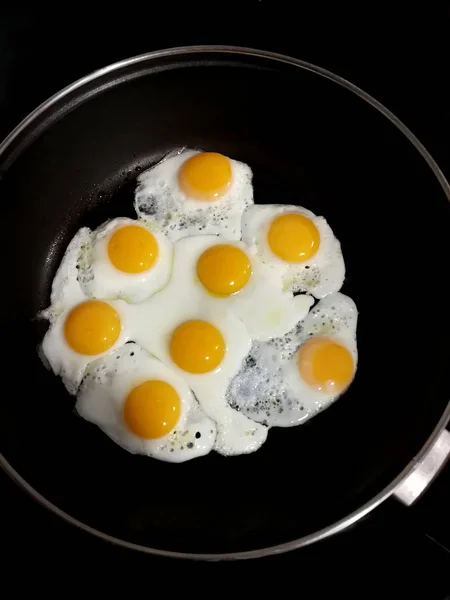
(311, 139)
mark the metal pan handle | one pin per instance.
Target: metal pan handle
(425, 471)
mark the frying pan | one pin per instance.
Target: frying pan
(312, 139)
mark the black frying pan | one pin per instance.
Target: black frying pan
(311, 138)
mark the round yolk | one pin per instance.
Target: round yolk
(205, 176)
(224, 269)
(92, 327)
(325, 364)
(197, 347)
(293, 237)
(152, 409)
(132, 249)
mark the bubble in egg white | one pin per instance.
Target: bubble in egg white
(159, 198)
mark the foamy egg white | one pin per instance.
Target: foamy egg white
(136, 423)
(302, 250)
(287, 380)
(191, 192)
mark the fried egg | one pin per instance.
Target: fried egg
(83, 332)
(205, 346)
(191, 192)
(124, 259)
(287, 380)
(230, 277)
(144, 406)
(298, 245)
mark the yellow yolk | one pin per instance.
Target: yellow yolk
(224, 269)
(197, 347)
(133, 249)
(152, 409)
(293, 237)
(205, 176)
(92, 327)
(325, 364)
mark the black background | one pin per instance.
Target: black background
(401, 58)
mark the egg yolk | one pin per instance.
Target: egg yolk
(132, 249)
(325, 364)
(92, 327)
(205, 176)
(293, 237)
(152, 409)
(197, 347)
(224, 269)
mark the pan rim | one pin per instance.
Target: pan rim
(445, 418)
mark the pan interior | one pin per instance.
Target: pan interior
(309, 142)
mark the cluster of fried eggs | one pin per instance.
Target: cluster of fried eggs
(191, 328)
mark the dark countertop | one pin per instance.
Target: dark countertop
(388, 55)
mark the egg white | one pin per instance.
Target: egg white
(321, 275)
(108, 382)
(159, 198)
(269, 388)
(265, 309)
